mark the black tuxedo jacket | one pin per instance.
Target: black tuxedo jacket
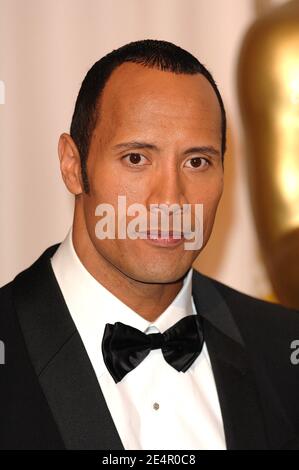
(50, 397)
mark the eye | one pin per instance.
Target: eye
(198, 162)
(135, 159)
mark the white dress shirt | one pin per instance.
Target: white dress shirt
(154, 407)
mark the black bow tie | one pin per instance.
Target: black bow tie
(125, 347)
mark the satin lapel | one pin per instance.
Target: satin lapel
(248, 424)
(61, 361)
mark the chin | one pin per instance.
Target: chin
(158, 275)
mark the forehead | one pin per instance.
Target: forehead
(139, 96)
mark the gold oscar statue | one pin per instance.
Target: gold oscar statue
(268, 91)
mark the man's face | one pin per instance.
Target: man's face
(170, 114)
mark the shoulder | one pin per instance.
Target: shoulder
(264, 326)
(24, 279)
(6, 306)
(270, 331)
(249, 309)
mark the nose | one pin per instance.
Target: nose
(167, 189)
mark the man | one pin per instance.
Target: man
(115, 342)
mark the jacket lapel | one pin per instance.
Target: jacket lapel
(252, 417)
(61, 361)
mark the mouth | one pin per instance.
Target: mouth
(166, 235)
(164, 238)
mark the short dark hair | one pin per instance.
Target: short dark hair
(151, 53)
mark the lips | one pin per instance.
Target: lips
(164, 235)
(163, 239)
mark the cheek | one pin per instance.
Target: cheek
(109, 183)
(210, 199)
(103, 175)
(214, 196)
(208, 192)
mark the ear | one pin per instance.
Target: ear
(70, 165)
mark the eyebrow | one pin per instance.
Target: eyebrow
(204, 149)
